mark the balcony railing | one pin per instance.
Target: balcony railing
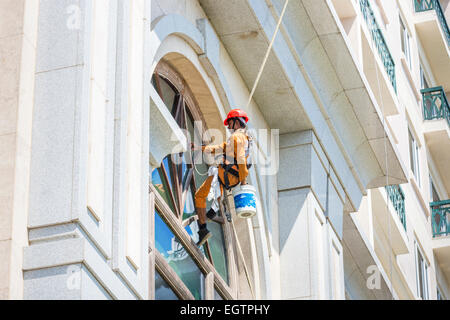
(379, 41)
(440, 221)
(435, 104)
(397, 197)
(425, 5)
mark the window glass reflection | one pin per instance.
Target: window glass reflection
(161, 186)
(217, 247)
(217, 296)
(178, 258)
(162, 289)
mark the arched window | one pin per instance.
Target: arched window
(174, 184)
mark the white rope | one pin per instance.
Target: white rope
(243, 259)
(258, 77)
(195, 167)
(248, 102)
(261, 68)
(387, 168)
(267, 55)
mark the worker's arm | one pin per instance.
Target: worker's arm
(214, 148)
(239, 143)
(210, 148)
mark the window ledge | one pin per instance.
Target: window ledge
(409, 76)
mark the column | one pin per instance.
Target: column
(18, 29)
(311, 206)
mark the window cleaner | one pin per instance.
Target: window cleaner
(230, 177)
(232, 171)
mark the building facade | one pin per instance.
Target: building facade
(101, 99)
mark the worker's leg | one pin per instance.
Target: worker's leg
(200, 199)
(211, 214)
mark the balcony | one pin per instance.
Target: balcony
(425, 5)
(435, 104)
(436, 115)
(389, 216)
(434, 34)
(440, 218)
(378, 64)
(379, 41)
(397, 198)
(440, 226)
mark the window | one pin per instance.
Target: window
(433, 193)
(421, 274)
(162, 290)
(414, 156)
(423, 79)
(174, 185)
(178, 258)
(405, 39)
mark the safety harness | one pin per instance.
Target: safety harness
(228, 168)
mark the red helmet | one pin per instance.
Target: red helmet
(236, 113)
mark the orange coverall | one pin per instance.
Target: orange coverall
(239, 140)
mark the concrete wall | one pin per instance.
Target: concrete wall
(310, 221)
(18, 30)
(89, 166)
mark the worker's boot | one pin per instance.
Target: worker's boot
(203, 233)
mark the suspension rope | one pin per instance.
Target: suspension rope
(387, 167)
(255, 84)
(258, 77)
(267, 55)
(243, 259)
(247, 274)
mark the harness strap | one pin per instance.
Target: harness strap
(228, 169)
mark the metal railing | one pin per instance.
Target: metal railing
(397, 198)
(435, 104)
(440, 218)
(426, 5)
(379, 41)
(423, 5)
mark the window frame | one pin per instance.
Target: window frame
(405, 42)
(174, 218)
(424, 83)
(422, 267)
(433, 191)
(414, 155)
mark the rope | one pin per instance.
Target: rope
(267, 55)
(387, 169)
(243, 260)
(195, 168)
(258, 77)
(248, 102)
(247, 275)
